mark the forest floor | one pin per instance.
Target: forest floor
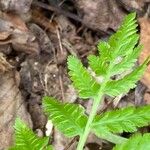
(36, 38)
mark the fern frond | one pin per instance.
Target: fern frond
(136, 142)
(122, 86)
(68, 118)
(127, 62)
(125, 119)
(125, 37)
(120, 45)
(103, 133)
(104, 50)
(25, 139)
(97, 65)
(82, 80)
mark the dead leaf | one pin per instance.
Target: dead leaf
(4, 65)
(5, 49)
(16, 21)
(4, 35)
(134, 5)
(11, 104)
(100, 14)
(13, 30)
(38, 117)
(43, 40)
(39, 18)
(18, 6)
(147, 97)
(145, 41)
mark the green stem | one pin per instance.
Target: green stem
(116, 139)
(89, 122)
(93, 112)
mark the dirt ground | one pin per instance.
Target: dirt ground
(36, 38)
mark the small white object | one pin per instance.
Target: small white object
(49, 127)
(36, 63)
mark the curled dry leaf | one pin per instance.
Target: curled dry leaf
(4, 65)
(134, 5)
(11, 103)
(43, 40)
(4, 35)
(18, 6)
(100, 14)
(14, 31)
(39, 18)
(145, 41)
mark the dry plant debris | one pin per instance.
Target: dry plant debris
(36, 36)
(12, 103)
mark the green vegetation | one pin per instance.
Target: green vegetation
(116, 57)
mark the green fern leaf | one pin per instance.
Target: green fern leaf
(125, 37)
(121, 45)
(103, 133)
(68, 118)
(127, 62)
(125, 119)
(104, 51)
(100, 63)
(136, 142)
(97, 65)
(27, 140)
(82, 80)
(122, 86)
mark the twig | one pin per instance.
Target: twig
(61, 83)
(60, 68)
(59, 41)
(117, 100)
(57, 10)
(71, 142)
(70, 48)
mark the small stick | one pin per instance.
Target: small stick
(61, 83)
(57, 10)
(59, 41)
(60, 68)
(71, 142)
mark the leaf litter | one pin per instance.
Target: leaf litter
(36, 38)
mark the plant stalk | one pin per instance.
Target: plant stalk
(113, 138)
(97, 99)
(89, 122)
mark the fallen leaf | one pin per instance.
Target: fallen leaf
(145, 41)
(4, 35)
(134, 5)
(14, 31)
(18, 6)
(43, 40)
(100, 15)
(4, 65)
(39, 18)
(11, 103)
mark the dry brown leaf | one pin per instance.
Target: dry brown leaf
(11, 104)
(145, 41)
(13, 30)
(19, 6)
(147, 97)
(100, 14)
(43, 40)
(39, 18)
(16, 21)
(134, 5)
(4, 35)
(4, 65)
